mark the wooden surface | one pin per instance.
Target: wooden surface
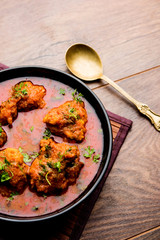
(127, 36)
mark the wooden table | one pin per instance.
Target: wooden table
(126, 34)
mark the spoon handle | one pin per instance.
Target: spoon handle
(143, 108)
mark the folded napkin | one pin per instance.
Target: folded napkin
(70, 225)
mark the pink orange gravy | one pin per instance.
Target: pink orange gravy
(26, 133)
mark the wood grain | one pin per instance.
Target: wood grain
(129, 203)
(125, 33)
(151, 234)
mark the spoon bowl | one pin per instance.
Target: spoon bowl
(85, 63)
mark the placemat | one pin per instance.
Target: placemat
(70, 225)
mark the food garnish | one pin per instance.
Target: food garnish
(89, 154)
(77, 96)
(62, 91)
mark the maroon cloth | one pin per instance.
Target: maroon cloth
(56, 228)
(2, 66)
(88, 204)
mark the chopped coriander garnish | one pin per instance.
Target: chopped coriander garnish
(46, 177)
(89, 152)
(4, 176)
(35, 208)
(76, 96)
(72, 110)
(57, 165)
(26, 157)
(20, 149)
(6, 161)
(69, 149)
(34, 155)
(47, 147)
(96, 158)
(19, 92)
(72, 114)
(3, 165)
(44, 196)
(47, 133)
(62, 91)
(32, 128)
(11, 197)
(1, 130)
(24, 92)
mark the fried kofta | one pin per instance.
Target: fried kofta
(56, 167)
(29, 95)
(13, 171)
(8, 111)
(68, 120)
(3, 137)
(25, 97)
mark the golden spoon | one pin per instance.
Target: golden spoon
(85, 63)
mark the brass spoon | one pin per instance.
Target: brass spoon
(85, 63)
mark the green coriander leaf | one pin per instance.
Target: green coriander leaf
(46, 177)
(19, 91)
(1, 166)
(72, 110)
(47, 133)
(26, 158)
(24, 92)
(77, 96)
(20, 149)
(12, 195)
(89, 152)
(96, 158)
(5, 176)
(44, 196)
(35, 208)
(6, 161)
(34, 155)
(1, 130)
(62, 91)
(72, 113)
(58, 165)
(32, 128)
(47, 147)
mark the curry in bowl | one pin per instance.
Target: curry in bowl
(51, 145)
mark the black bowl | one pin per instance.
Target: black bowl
(36, 71)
